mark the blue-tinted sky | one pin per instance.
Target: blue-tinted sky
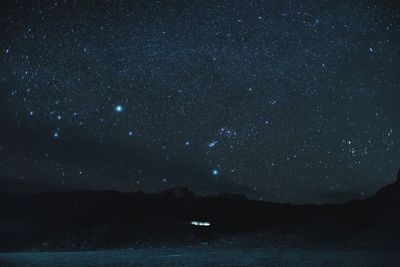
(280, 100)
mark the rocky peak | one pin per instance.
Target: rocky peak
(179, 192)
(390, 191)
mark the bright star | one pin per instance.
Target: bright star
(212, 144)
(119, 108)
(55, 135)
(215, 172)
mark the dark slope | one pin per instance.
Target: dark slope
(85, 219)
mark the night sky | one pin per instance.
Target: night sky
(293, 101)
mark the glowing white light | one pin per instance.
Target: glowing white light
(198, 223)
(119, 108)
(215, 172)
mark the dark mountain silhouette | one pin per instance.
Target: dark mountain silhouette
(104, 219)
(178, 192)
(390, 192)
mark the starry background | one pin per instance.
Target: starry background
(280, 100)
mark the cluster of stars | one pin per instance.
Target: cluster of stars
(294, 100)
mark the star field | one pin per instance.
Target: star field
(280, 100)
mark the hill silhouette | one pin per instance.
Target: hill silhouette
(107, 219)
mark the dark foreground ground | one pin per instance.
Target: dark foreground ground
(204, 256)
(136, 229)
